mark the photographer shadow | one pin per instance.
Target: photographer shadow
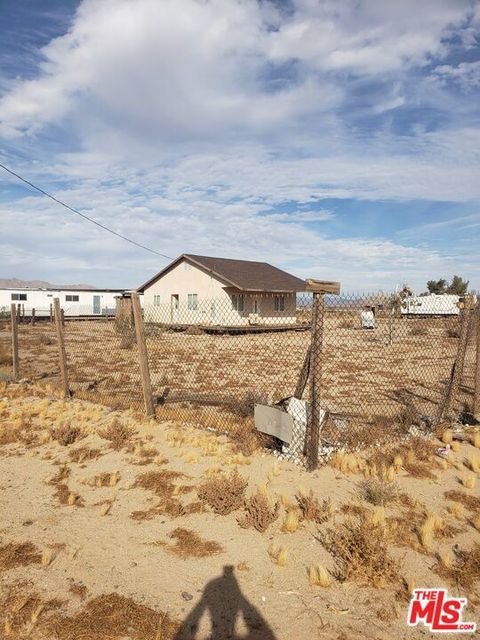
(223, 600)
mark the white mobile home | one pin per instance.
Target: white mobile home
(75, 302)
(431, 305)
(220, 291)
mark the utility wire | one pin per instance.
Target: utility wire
(83, 215)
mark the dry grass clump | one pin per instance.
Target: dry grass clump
(319, 576)
(118, 434)
(473, 462)
(347, 462)
(378, 491)
(223, 493)
(432, 525)
(112, 616)
(279, 554)
(292, 521)
(22, 612)
(189, 544)
(476, 439)
(312, 509)
(260, 512)
(19, 555)
(106, 479)
(5, 355)
(472, 503)
(62, 492)
(81, 454)
(463, 570)
(65, 434)
(468, 481)
(360, 551)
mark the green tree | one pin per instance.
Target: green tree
(458, 286)
(437, 286)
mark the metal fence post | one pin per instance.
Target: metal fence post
(61, 348)
(313, 425)
(143, 355)
(453, 385)
(476, 384)
(15, 363)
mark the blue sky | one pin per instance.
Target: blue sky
(336, 140)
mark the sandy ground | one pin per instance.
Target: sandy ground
(117, 539)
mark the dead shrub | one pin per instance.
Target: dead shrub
(471, 502)
(84, 453)
(245, 405)
(111, 616)
(65, 434)
(19, 555)
(464, 572)
(419, 331)
(260, 512)
(118, 434)
(360, 551)
(312, 509)
(378, 491)
(160, 482)
(452, 333)
(189, 544)
(223, 493)
(45, 340)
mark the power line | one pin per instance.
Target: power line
(83, 215)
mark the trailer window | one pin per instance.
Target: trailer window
(69, 298)
(192, 301)
(19, 296)
(156, 301)
(238, 302)
(279, 303)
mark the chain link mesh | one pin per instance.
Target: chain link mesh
(381, 367)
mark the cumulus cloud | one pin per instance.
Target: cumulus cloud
(219, 127)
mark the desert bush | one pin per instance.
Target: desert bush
(118, 434)
(452, 333)
(245, 405)
(65, 434)
(462, 571)
(223, 493)
(44, 340)
(378, 491)
(18, 554)
(360, 551)
(189, 544)
(260, 512)
(312, 509)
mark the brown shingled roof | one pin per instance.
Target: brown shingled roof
(245, 275)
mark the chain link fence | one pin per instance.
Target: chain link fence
(328, 371)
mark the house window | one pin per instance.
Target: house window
(69, 298)
(19, 296)
(279, 303)
(238, 301)
(192, 301)
(156, 301)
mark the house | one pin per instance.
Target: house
(75, 302)
(220, 291)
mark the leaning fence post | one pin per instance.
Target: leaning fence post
(13, 316)
(313, 427)
(61, 347)
(142, 355)
(458, 366)
(476, 383)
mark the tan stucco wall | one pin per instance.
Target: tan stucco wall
(214, 301)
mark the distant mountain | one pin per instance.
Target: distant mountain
(15, 283)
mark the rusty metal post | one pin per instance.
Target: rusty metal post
(14, 323)
(61, 348)
(312, 435)
(143, 355)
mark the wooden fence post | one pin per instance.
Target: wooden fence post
(14, 322)
(61, 348)
(142, 355)
(476, 383)
(32, 319)
(51, 313)
(313, 423)
(453, 384)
